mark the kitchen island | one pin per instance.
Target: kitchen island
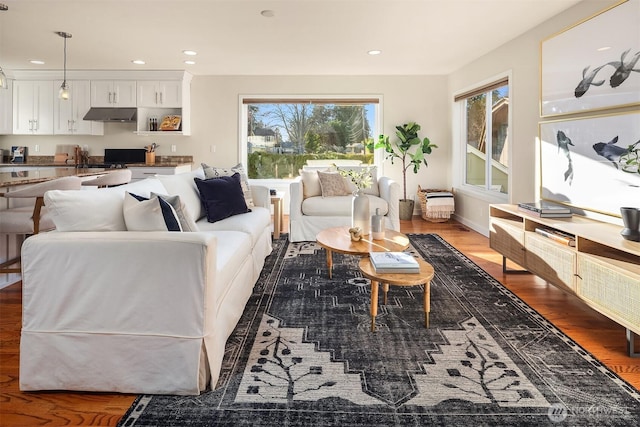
(30, 173)
(35, 174)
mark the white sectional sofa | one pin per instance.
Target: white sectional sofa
(136, 311)
(310, 212)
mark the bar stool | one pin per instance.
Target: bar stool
(111, 179)
(29, 220)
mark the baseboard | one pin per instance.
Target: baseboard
(482, 229)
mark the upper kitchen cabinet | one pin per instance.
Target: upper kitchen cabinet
(68, 114)
(6, 110)
(113, 93)
(159, 99)
(33, 107)
(162, 94)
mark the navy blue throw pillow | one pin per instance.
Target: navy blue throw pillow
(222, 197)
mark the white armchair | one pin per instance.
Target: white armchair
(309, 212)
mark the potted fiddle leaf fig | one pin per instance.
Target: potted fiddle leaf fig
(412, 152)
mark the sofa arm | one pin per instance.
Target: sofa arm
(260, 195)
(390, 192)
(295, 199)
(129, 312)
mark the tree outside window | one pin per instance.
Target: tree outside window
(487, 137)
(283, 135)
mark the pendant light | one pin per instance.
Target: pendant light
(4, 83)
(64, 88)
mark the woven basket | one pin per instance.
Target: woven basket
(422, 198)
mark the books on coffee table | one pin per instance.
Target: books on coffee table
(394, 262)
(545, 209)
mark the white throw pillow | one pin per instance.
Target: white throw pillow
(95, 209)
(85, 210)
(155, 214)
(183, 185)
(310, 183)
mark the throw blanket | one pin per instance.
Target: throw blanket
(439, 204)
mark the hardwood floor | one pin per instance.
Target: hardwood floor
(602, 337)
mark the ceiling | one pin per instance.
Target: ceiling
(232, 37)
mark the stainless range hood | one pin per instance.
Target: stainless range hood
(111, 114)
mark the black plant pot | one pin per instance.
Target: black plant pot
(631, 220)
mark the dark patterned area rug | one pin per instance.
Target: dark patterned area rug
(303, 355)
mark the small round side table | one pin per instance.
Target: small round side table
(397, 279)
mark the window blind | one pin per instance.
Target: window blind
(481, 89)
(339, 101)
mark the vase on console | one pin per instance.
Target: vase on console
(360, 215)
(631, 220)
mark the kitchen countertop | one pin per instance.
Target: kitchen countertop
(10, 179)
(66, 165)
(48, 161)
(158, 165)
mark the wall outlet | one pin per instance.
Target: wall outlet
(173, 148)
(212, 148)
(36, 148)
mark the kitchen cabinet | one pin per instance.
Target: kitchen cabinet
(6, 111)
(113, 93)
(68, 114)
(160, 98)
(33, 107)
(142, 172)
(164, 94)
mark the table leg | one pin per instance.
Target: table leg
(278, 215)
(329, 263)
(427, 303)
(385, 288)
(277, 219)
(374, 304)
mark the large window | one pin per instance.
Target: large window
(486, 136)
(282, 134)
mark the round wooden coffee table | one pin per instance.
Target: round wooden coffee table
(397, 279)
(338, 239)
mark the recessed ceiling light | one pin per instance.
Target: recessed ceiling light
(603, 48)
(37, 62)
(189, 62)
(190, 52)
(374, 52)
(138, 62)
(268, 13)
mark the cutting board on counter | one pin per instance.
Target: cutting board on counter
(60, 158)
(67, 150)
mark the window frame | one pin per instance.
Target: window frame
(243, 117)
(459, 132)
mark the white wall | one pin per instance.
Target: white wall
(521, 57)
(405, 98)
